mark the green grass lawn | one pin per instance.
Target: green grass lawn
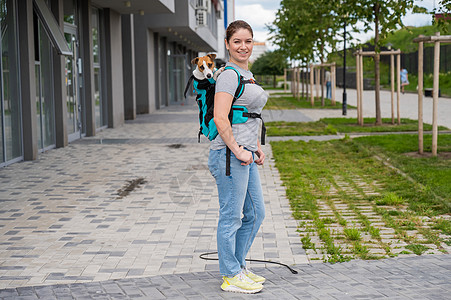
(327, 126)
(347, 177)
(433, 173)
(290, 102)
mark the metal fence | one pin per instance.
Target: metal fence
(409, 61)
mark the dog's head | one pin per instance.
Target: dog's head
(205, 64)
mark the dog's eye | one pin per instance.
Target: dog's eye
(209, 65)
(201, 68)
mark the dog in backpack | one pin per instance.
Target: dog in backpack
(205, 67)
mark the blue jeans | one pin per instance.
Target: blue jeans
(328, 90)
(240, 194)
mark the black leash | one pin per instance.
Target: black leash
(202, 256)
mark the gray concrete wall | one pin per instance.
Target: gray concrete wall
(144, 67)
(114, 72)
(151, 71)
(141, 65)
(184, 21)
(128, 66)
(27, 79)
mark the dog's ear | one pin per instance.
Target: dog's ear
(195, 61)
(212, 56)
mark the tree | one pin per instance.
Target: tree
(442, 16)
(270, 63)
(304, 29)
(386, 16)
(307, 29)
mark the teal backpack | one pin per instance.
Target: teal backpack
(205, 90)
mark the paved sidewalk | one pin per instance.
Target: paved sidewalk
(66, 233)
(424, 277)
(62, 220)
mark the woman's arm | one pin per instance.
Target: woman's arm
(223, 104)
(260, 154)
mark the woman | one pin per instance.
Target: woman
(241, 192)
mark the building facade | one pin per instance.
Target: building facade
(70, 68)
(259, 49)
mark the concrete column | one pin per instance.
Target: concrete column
(128, 64)
(113, 68)
(59, 83)
(141, 65)
(152, 72)
(27, 78)
(158, 70)
(144, 67)
(87, 91)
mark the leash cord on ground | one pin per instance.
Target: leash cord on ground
(202, 256)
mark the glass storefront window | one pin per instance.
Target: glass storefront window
(100, 102)
(45, 107)
(10, 126)
(70, 89)
(69, 12)
(177, 76)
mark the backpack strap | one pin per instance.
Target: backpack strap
(258, 116)
(239, 91)
(188, 84)
(240, 88)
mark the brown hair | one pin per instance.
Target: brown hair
(234, 26)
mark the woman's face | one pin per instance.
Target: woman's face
(240, 45)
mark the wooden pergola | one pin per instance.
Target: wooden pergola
(297, 81)
(359, 81)
(437, 39)
(317, 73)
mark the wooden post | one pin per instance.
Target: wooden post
(318, 74)
(306, 82)
(357, 85)
(311, 85)
(303, 83)
(361, 89)
(284, 80)
(392, 77)
(420, 97)
(398, 76)
(332, 83)
(435, 95)
(298, 82)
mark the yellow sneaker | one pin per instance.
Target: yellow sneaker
(240, 283)
(256, 278)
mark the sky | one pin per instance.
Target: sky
(260, 12)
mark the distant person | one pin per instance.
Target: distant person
(404, 79)
(328, 86)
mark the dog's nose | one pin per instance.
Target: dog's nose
(208, 75)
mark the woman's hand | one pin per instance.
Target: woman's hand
(244, 155)
(261, 156)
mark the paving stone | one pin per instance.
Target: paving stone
(77, 238)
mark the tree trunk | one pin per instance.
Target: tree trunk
(377, 64)
(274, 81)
